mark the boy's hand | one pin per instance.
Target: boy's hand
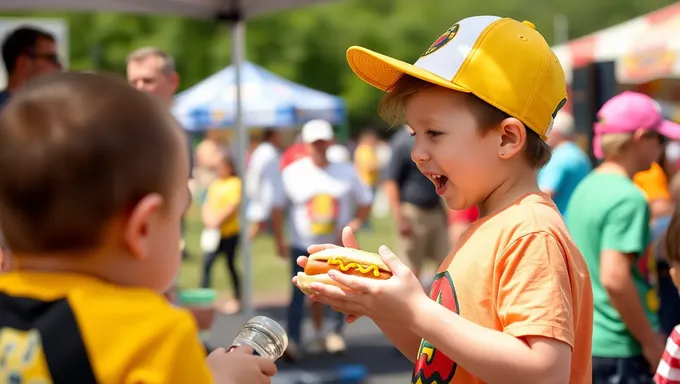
(240, 366)
(391, 300)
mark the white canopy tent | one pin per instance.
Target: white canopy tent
(234, 12)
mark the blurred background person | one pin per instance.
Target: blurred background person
(366, 158)
(418, 210)
(654, 183)
(367, 162)
(207, 158)
(568, 165)
(220, 213)
(322, 197)
(338, 153)
(27, 52)
(152, 70)
(263, 183)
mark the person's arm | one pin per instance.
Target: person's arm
(551, 177)
(617, 280)
(214, 218)
(279, 203)
(267, 196)
(625, 236)
(535, 307)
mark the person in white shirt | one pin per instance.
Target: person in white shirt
(322, 197)
(263, 184)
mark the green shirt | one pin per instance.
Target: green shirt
(608, 212)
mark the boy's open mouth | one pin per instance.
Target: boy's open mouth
(439, 180)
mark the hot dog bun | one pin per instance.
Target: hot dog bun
(304, 281)
(346, 260)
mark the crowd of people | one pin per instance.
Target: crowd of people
(549, 271)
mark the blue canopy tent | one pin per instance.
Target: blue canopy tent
(268, 100)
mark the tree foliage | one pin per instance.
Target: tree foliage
(308, 45)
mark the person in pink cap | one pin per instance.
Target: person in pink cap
(609, 219)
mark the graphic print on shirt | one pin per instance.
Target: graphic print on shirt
(323, 214)
(432, 366)
(22, 357)
(647, 267)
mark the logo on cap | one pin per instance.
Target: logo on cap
(443, 39)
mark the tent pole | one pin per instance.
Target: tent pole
(238, 36)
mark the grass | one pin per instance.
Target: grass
(271, 274)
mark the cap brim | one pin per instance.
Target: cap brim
(670, 130)
(383, 71)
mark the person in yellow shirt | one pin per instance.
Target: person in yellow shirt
(654, 183)
(366, 159)
(91, 215)
(220, 210)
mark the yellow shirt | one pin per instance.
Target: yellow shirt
(653, 183)
(221, 194)
(68, 328)
(366, 162)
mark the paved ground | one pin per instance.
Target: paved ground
(366, 346)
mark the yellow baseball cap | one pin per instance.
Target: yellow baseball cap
(502, 61)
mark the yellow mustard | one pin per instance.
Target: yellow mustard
(360, 267)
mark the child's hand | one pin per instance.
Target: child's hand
(240, 366)
(392, 300)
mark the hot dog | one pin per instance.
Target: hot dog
(346, 260)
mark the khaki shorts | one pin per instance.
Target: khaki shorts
(429, 236)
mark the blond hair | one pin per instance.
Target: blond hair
(615, 144)
(167, 66)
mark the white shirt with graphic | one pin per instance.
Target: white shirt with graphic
(321, 200)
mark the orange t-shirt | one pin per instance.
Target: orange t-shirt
(517, 272)
(653, 183)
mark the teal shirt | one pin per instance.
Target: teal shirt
(608, 212)
(565, 170)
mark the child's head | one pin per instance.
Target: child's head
(480, 101)
(631, 129)
(93, 180)
(225, 164)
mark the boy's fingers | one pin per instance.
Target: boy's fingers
(355, 283)
(244, 349)
(320, 247)
(348, 238)
(267, 367)
(328, 290)
(392, 261)
(302, 261)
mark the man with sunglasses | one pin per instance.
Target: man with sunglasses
(27, 52)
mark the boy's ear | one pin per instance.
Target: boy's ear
(138, 225)
(513, 135)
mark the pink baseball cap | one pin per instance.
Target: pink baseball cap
(626, 113)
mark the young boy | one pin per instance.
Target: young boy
(609, 218)
(92, 191)
(668, 371)
(512, 304)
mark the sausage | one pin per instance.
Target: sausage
(316, 267)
